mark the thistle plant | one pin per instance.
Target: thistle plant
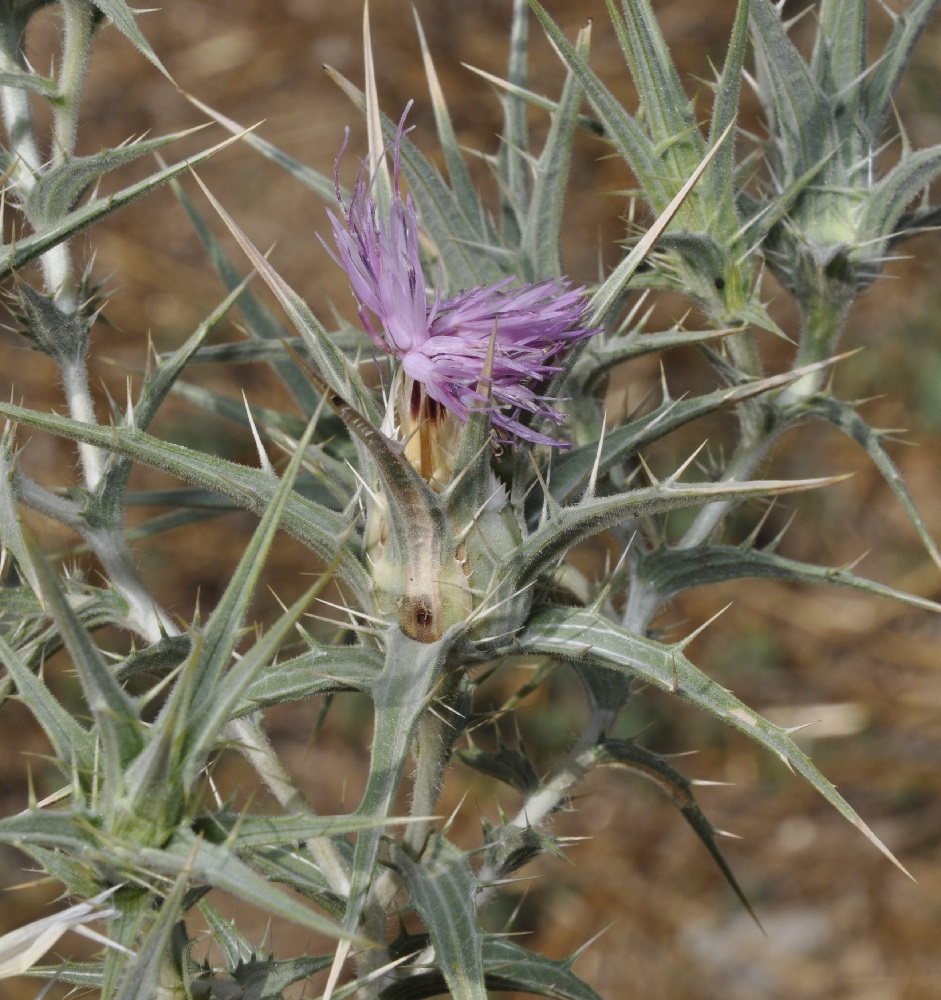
(453, 450)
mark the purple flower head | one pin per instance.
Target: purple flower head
(443, 344)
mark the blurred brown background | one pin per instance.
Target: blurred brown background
(841, 921)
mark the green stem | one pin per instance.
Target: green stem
(436, 732)
(79, 19)
(824, 315)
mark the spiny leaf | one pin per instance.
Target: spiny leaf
(115, 713)
(320, 670)
(881, 85)
(442, 887)
(33, 82)
(57, 190)
(145, 972)
(672, 571)
(572, 469)
(71, 743)
(324, 530)
(579, 521)
(26, 249)
(540, 242)
(620, 127)
(213, 650)
(668, 114)
(679, 788)
(584, 634)
(122, 17)
(844, 416)
(801, 119)
(512, 162)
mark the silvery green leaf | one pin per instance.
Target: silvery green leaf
(679, 789)
(889, 199)
(33, 82)
(540, 243)
(61, 335)
(323, 530)
(880, 86)
(320, 670)
(268, 978)
(89, 975)
(26, 249)
(442, 887)
(35, 637)
(566, 526)
(611, 293)
(71, 743)
(122, 17)
(116, 715)
(844, 416)
(135, 909)
(838, 64)
(294, 867)
(210, 700)
(672, 571)
(146, 972)
(509, 966)
(668, 114)
(513, 167)
(11, 531)
(334, 484)
(160, 657)
(226, 936)
(603, 355)
(76, 876)
(246, 833)
(60, 829)
(218, 865)
(725, 111)
(804, 129)
(572, 470)
(220, 700)
(620, 128)
(464, 191)
(58, 189)
(583, 634)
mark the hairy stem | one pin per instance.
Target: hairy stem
(79, 29)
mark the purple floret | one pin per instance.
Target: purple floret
(443, 343)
